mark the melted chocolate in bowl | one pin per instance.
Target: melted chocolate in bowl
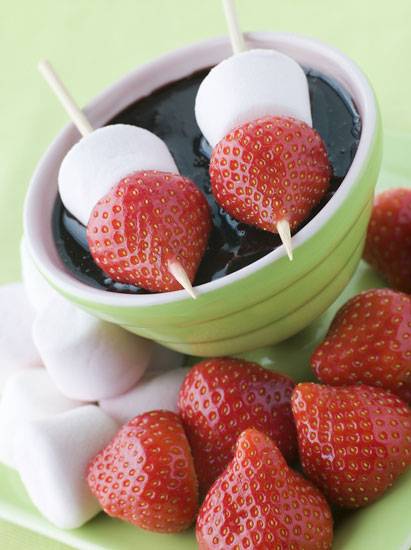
(169, 113)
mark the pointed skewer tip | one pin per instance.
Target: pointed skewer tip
(180, 275)
(283, 228)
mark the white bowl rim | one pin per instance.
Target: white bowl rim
(353, 79)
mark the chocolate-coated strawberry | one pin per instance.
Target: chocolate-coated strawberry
(268, 170)
(388, 244)
(146, 476)
(220, 398)
(354, 441)
(145, 225)
(369, 342)
(259, 503)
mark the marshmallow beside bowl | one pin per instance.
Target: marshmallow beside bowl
(272, 298)
(52, 455)
(29, 394)
(17, 349)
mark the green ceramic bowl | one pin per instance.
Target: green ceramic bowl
(272, 298)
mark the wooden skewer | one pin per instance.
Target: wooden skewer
(238, 46)
(236, 36)
(74, 112)
(83, 125)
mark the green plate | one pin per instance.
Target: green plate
(385, 525)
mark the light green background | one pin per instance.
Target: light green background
(93, 42)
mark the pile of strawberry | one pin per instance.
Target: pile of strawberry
(227, 459)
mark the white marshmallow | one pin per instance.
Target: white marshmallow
(151, 393)
(88, 359)
(28, 395)
(38, 290)
(17, 350)
(100, 160)
(52, 456)
(247, 86)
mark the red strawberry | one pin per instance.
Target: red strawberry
(274, 168)
(146, 475)
(260, 503)
(388, 245)
(354, 441)
(145, 222)
(369, 342)
(222, 397)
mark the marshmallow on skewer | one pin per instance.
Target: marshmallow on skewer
(251, 85)
(29, 394)
(39, 292)
(17, 350)
(101, 159)
(52, 456)
(88, 359)
(151, 392)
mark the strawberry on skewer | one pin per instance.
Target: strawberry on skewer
(270, 173)
(169, 256)
(152, 230)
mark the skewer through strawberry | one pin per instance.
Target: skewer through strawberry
(149, 225)
(270, 173)
(269, 167)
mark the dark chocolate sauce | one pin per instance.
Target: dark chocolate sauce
(169, 113)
